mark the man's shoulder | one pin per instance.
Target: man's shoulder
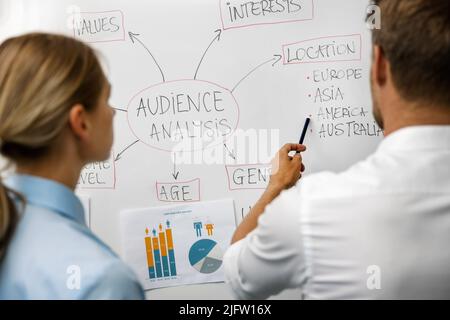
(359, 179)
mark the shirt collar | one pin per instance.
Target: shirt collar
(425, 137)
(48, 194)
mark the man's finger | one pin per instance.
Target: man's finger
(301, 147)
(288, 147)
(297, 157)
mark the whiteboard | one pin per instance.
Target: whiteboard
(236, 69)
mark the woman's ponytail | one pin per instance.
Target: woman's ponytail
(8, 217)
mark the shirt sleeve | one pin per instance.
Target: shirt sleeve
(270, 259)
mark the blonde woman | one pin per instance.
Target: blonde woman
(54, 119)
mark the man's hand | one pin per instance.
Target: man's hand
(286, 169)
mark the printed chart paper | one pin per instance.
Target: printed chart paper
(178, 245)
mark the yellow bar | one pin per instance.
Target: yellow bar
(162, 242)
(169, 239)
(148, 246)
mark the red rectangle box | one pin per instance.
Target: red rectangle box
(248, 176)
(324, 49)
(176, 191)
(103, 26)
(263, 12)
(99, 175)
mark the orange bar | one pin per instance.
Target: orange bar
(162, 242)
(169, 239)
(148, 246)
(155, 243)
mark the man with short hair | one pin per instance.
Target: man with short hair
(380, 229)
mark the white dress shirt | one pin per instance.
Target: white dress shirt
(381, 229)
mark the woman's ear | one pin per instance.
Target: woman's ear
(79, 122)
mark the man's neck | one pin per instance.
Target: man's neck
(415, 115)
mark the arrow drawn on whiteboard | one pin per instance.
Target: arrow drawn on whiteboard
(216, 38)
(231, 154)
(119, 155)
(275, 59)
(175, 172)
(133, 37)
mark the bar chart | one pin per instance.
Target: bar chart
(160, 252)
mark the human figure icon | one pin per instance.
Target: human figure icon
(198, 228)
(209, 227)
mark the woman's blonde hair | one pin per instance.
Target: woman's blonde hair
(41, 77)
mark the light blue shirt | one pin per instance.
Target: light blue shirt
(53, 255)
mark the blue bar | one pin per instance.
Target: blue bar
(151, 272)
(173, 268)
(157, 263)
(165, 266)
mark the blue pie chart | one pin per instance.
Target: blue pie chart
(205, 256)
